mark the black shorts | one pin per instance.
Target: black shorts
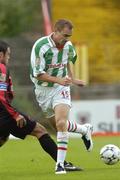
(9, 126)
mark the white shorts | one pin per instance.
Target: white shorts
(49, 97)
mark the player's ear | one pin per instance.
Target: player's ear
(1, 55)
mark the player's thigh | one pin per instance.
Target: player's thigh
(61, 111)
(44, 98)
(61, 116)
(8, 124)
(24, 131)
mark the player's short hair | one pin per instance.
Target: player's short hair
(3, 46)
(61, 23)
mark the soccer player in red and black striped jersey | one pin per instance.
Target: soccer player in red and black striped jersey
(16, 123)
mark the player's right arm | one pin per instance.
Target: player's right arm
(75, 81)
(47, 78)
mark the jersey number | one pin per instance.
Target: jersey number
(65, 94)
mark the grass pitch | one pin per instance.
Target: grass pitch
(25, 160)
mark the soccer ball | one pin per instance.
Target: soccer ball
(110, 154)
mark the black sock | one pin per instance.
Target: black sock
(49, 145)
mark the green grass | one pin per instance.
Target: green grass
(25, 160)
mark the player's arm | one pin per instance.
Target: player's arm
(14, 114)
(47, 78)
(75, 81)
(21, 121)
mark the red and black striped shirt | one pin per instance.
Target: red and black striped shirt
(6, 90)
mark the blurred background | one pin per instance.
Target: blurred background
(96, 36)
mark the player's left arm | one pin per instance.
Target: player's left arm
(75, 81)
(10, 92)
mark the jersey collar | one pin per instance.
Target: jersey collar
(52, 43)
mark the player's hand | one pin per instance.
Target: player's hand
(65, 81)
(21, 122)
(78, 82)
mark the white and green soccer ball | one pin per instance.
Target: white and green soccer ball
(110, 154)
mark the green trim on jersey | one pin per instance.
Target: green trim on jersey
(71, 56)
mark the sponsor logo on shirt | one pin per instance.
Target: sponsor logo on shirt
(59, 65)
(3, 86)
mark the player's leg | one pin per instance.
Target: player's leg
(45, 103)
(53, 123)
(35, 129)
(61, 115)
(49, 145)
(85, 130)
(8, 126)
(68, 165)
(45, 140)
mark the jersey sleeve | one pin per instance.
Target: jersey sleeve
(39, 64)
(72, 55)
(12, 111)
(10, 92)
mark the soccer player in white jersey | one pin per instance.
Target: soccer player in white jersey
(51, 74)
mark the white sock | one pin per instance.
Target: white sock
(62, 142)
(75, 127)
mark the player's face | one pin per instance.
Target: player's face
(63, 36)
(4, 58)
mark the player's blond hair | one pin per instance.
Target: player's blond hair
(61, 23)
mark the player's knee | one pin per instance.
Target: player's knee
(61, 125)
(39, 130)
(3, 140)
